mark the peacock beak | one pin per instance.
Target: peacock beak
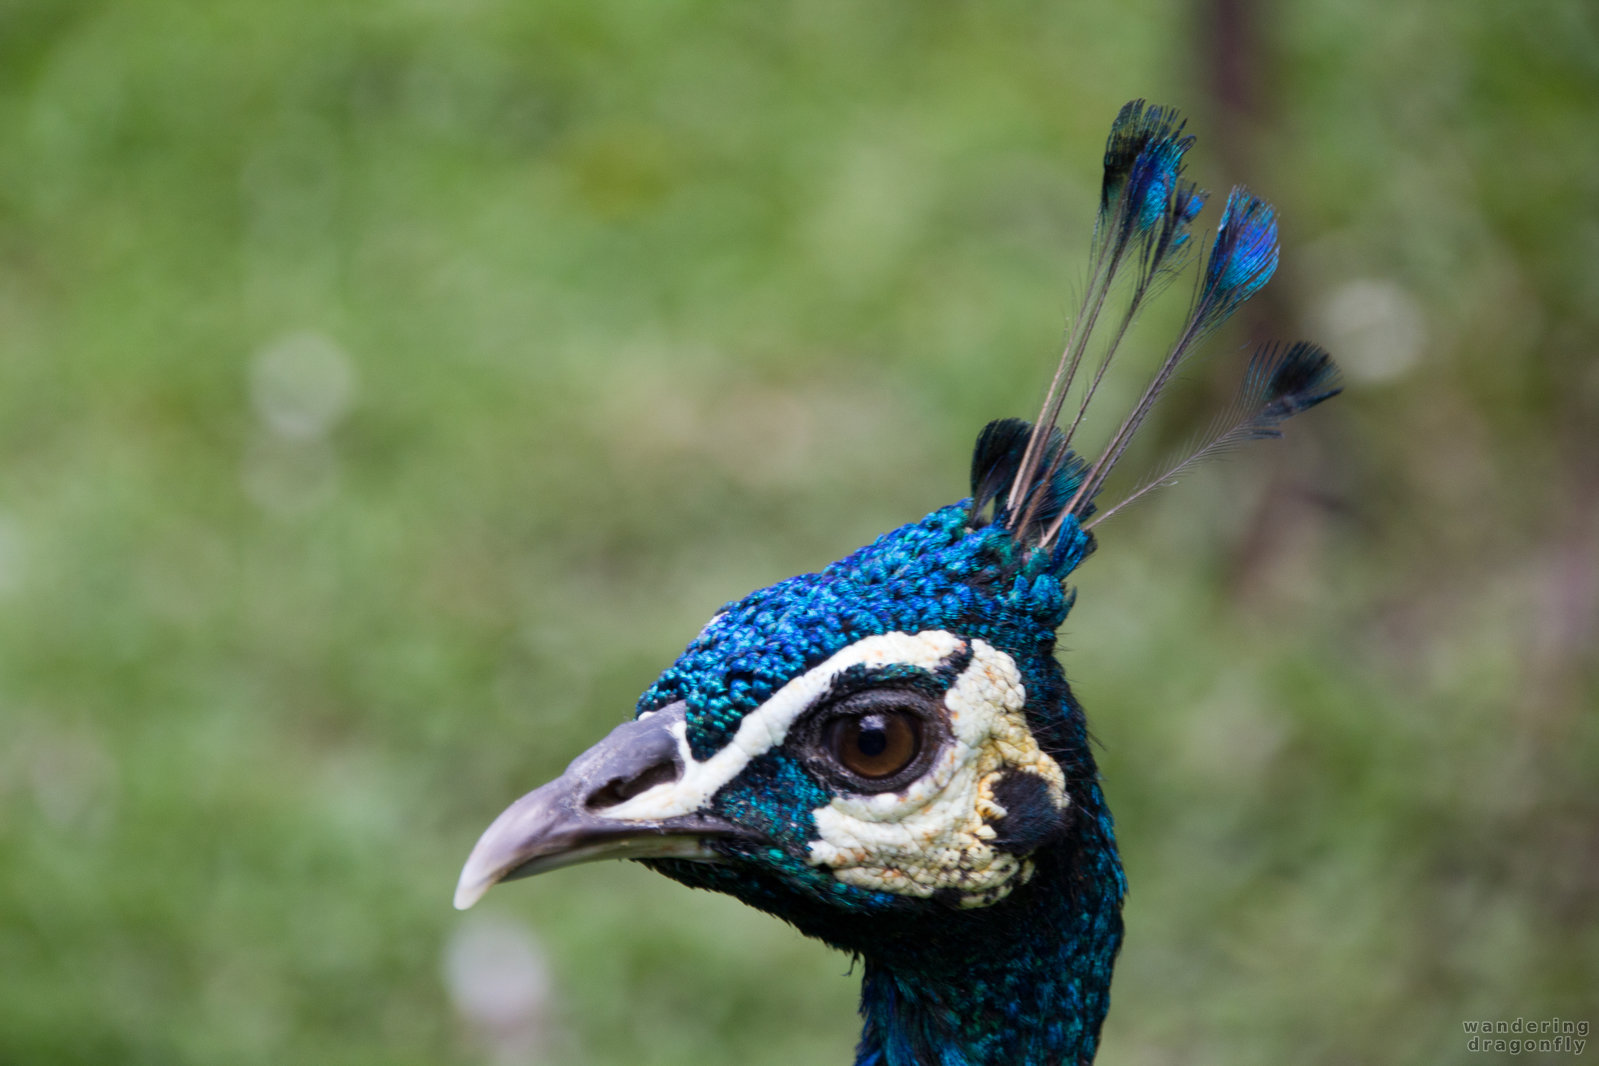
(561, 823)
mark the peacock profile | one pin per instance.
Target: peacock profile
(886, 753)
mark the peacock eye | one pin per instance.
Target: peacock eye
(876, 739)
(877, 745)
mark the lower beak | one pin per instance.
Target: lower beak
(563, 822)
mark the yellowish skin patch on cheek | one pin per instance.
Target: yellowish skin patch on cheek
(935, 834)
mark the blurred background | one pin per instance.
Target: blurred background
(389, 391)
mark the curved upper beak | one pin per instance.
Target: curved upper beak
(563, 822)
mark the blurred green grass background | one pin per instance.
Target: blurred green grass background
(387, 392)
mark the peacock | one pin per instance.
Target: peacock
(887, 754)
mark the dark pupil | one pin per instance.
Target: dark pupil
(872, 740)
(876, 745)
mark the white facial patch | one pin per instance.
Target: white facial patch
(767, 726)
(935, 834)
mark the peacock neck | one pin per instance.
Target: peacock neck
(1024, 983)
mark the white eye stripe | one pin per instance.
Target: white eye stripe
(766, 727)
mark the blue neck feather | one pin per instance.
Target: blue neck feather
(1025, 983)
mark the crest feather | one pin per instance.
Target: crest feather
(1029, 472)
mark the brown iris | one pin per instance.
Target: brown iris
(875, 745)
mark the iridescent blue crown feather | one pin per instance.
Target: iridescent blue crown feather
(939, 573)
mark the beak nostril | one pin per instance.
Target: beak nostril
(621, 789)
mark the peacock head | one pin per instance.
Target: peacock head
(891, 740)
(889, 736)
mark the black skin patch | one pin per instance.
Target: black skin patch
(1031, 819)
